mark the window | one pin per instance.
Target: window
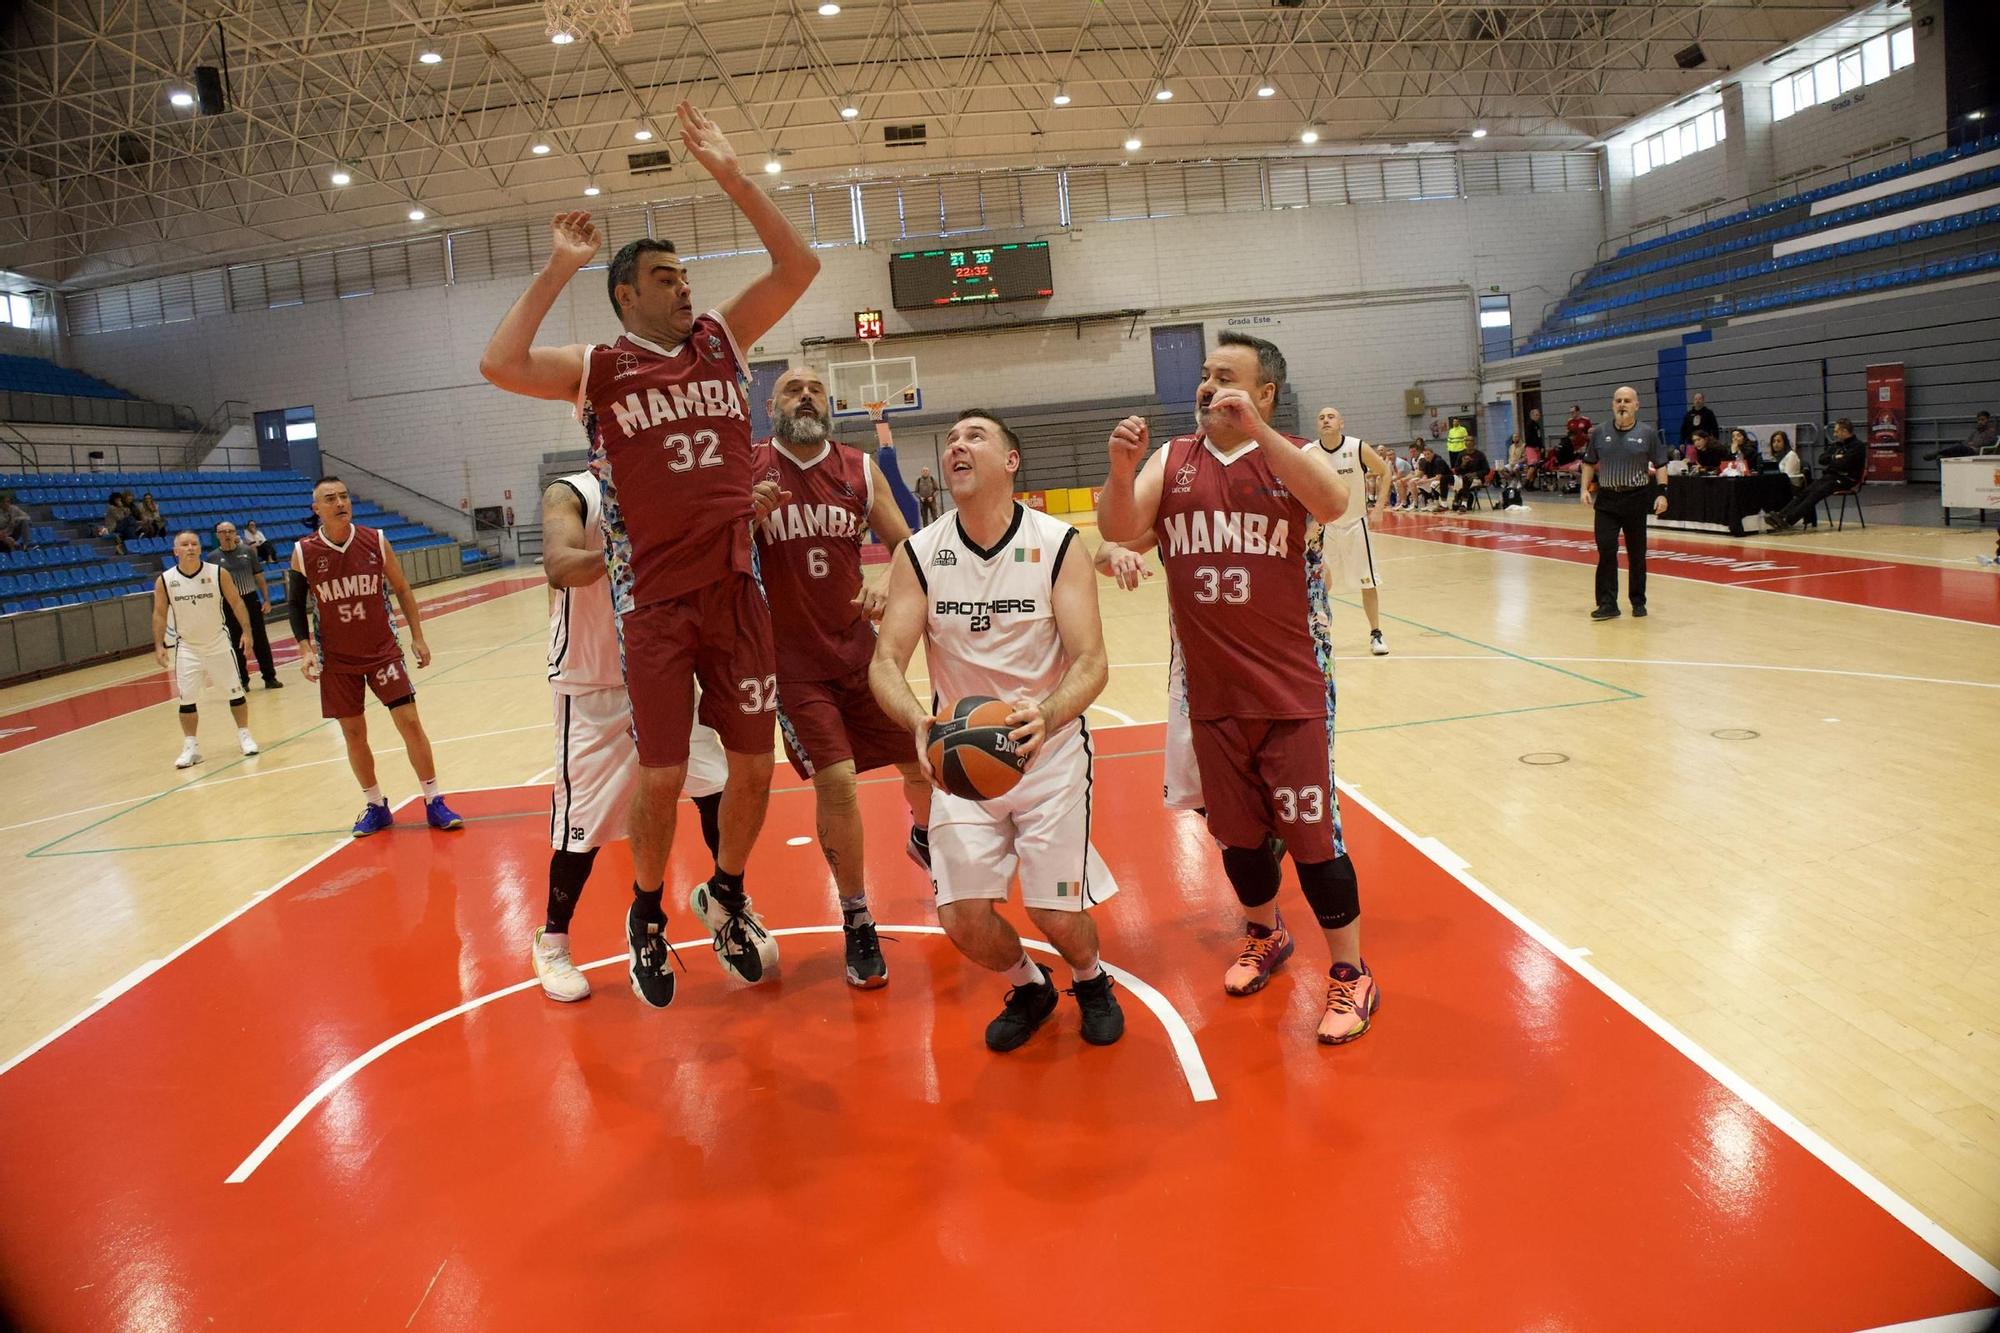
(1683, 140)
(19, 311)
(1843, 72)
(1496, 327)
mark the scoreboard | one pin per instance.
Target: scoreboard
(921, 279)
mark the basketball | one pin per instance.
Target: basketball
(971, 752)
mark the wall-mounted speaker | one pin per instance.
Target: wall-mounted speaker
(209, 97)
(1691, 57)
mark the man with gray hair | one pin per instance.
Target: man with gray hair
(241, 563)
(1624, 479)
(823, 615)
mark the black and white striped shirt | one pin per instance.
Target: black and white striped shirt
(1621, 456)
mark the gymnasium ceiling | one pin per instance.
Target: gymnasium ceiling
(101, 176)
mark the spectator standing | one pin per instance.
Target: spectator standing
(1576, 434)
(15, 525)
(1841, 465)
(1983, 437)
(1531, 430)
(258, 542)
(1699, 418)
(1621, 466)
(926, 491)
(1456, 440)
(239, 563)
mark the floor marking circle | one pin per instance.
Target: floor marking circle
(1735, 734)
(1544, 758)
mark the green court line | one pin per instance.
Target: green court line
(268, 837)
(1474, 717)
(1503, 652)
(238, 763)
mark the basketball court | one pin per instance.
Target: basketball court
(1620, 1069)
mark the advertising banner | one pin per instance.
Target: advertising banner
(1884, 429)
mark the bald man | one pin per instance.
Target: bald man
(1624, 478)
(823, 616)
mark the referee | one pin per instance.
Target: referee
(245, 569)
(1619, 467)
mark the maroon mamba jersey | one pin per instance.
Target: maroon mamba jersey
(809, 555)
(669, 432)
(350, 601)
(1230, 537)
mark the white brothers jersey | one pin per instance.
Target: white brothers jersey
(989, 615)
(194, 607)
(1346, 460)
(583, 637)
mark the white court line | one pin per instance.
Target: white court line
(1822, 574)
(1123, 718)
(1784, 1121)
(1972, 1321)
(1762, 666)
(1186, 1052)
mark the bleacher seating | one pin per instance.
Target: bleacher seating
(67, 567)
(1704, 286)
(34, 374)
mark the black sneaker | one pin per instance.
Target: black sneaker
(1028, 1007)
(1605, 613)
(742, 945)
(651, 962)
(865, 968)
(919, 850)
(1103, 1020)
(1639, 610)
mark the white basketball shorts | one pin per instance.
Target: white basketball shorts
(1040, 829)
(214, 663)
(1183, 773)
(597, 768)
(1348, 559)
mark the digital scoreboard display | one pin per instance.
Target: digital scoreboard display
(921, 279)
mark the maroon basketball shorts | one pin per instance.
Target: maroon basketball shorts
(341, 693)
(720, 635)
(1268, 775)
(827, 721)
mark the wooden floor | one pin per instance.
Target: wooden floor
(1765, 811)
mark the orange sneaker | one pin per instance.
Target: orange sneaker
(1351, 1000)
(1260, 956)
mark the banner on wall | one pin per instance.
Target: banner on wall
(1884, 431)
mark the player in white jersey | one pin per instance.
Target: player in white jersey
(1339, 555)
(597, 764)
(1002, 612)
(191, 639)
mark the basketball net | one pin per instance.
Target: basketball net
(610, 19)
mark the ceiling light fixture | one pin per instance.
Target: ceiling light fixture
(850, 111)
(1132, 145)
(1266, 90)
(1061, 98)
(417, 215)
(181, 99)
(1164, 95)
(539, 150)
(1479, 133)
(642, 135)
(1308, 136)
(341, 176)
(429, 58)
(772, 166)
(592, 191)
(828, 10)
(562, 38)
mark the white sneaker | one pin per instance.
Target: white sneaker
(560, 978)
(190, 754)
(1376, 645)
(247, 741)
(742, 945)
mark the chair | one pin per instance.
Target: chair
(1844, 494)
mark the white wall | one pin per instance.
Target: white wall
(1829, 134)
(1354, 295)
(1662, 192)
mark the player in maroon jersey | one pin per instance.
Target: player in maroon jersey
(669, 427)
(822, 616)
(343, 574)
(1228, 506)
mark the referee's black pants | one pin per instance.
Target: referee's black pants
(260, 639)
(1622, 511)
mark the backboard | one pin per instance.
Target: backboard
(889, 380)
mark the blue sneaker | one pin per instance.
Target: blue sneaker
(441, 816)
(374, 819)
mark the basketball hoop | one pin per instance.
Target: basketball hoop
(571, 20)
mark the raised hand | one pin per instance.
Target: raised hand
(573, 240)
(1233, 410)
(766, 498)
(1129, 441)
(705, 142)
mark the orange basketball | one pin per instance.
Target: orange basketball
(971, 752)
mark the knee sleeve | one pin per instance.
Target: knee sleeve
(710, 809)
(1253, 872)
(1332, 891)
(567, 873)
(189, 708)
